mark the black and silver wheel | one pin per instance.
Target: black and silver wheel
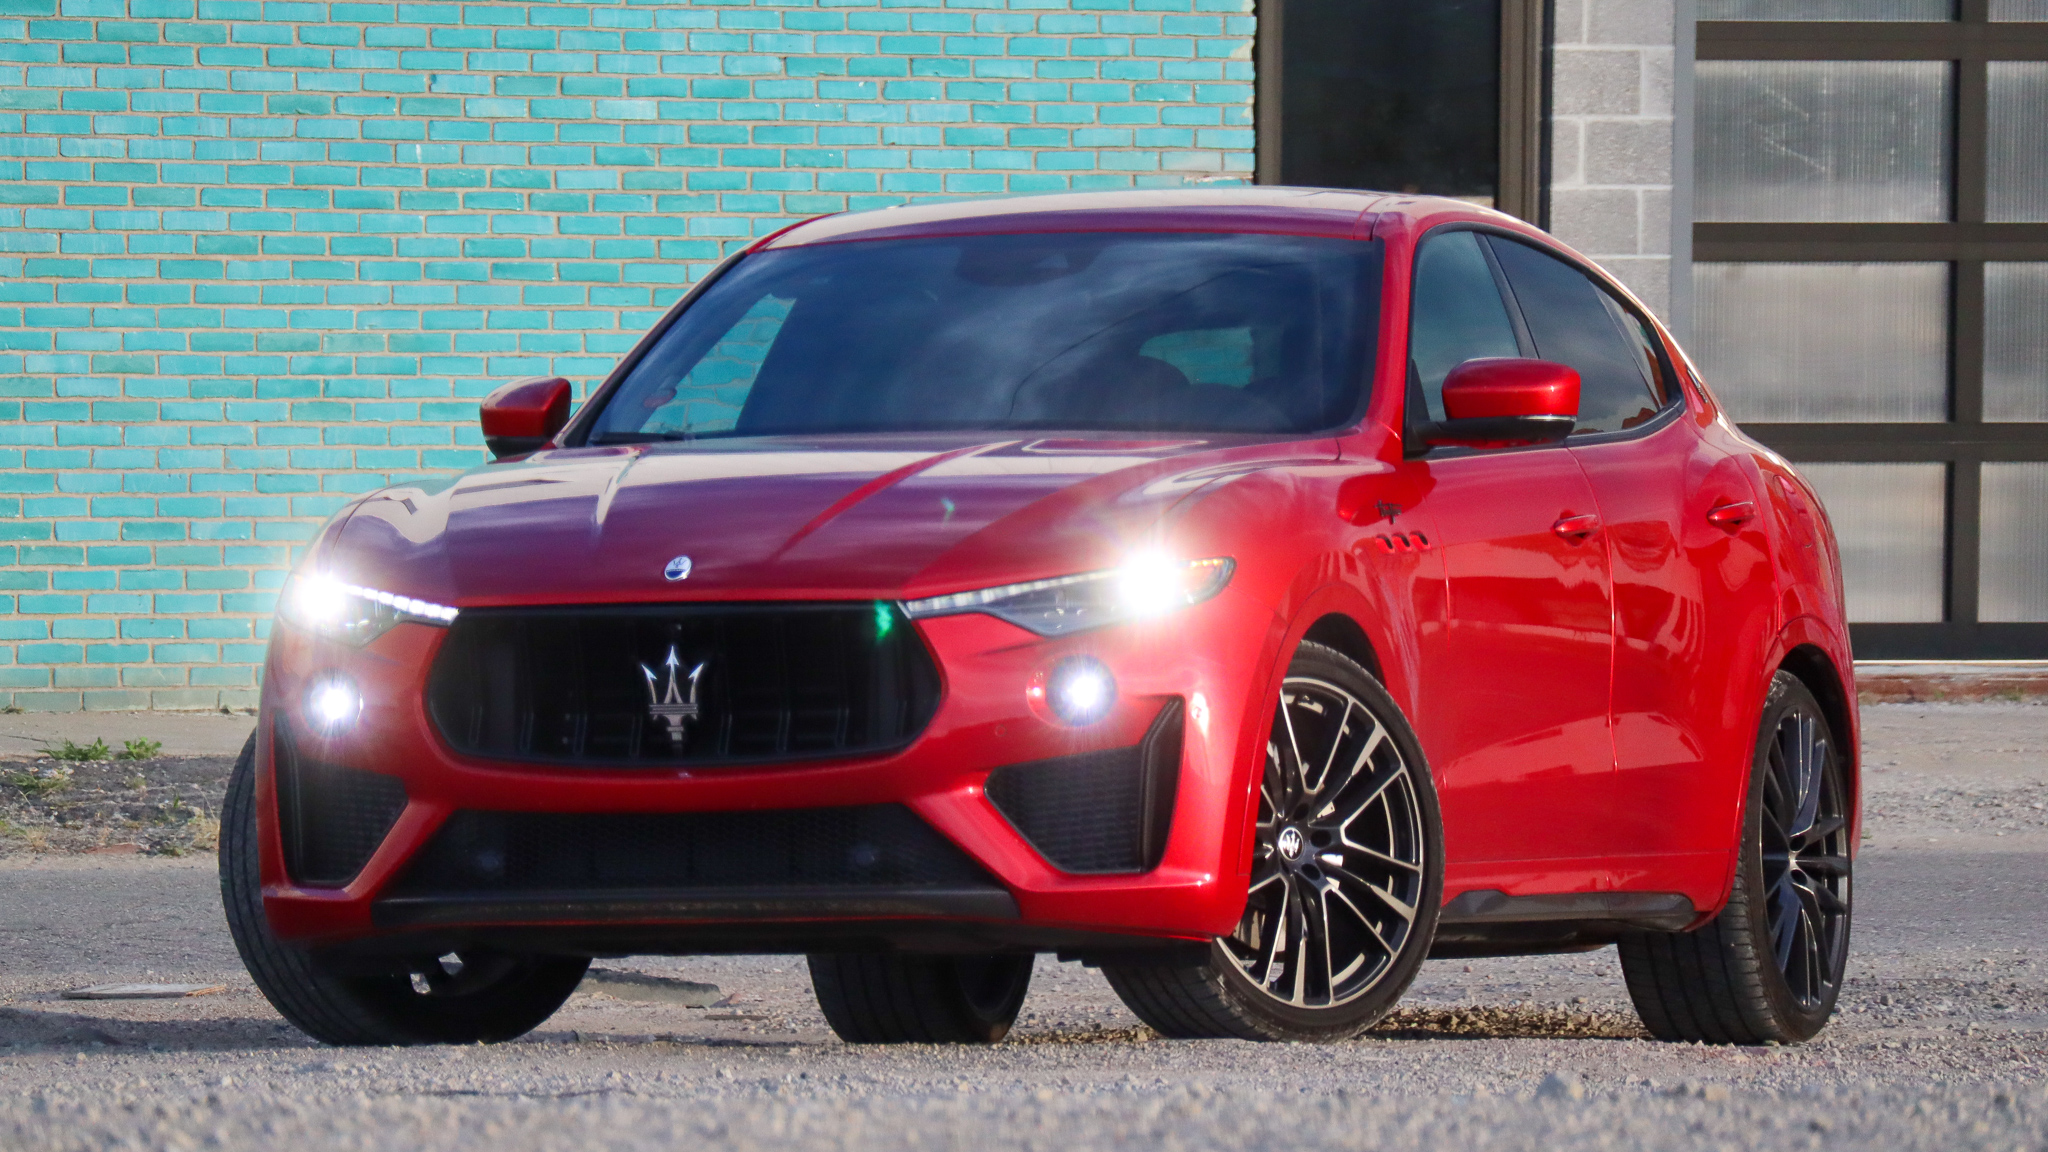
(458, 998)
(890, 998)
(1769, 967)
(1347, 873)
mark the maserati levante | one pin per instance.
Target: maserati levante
(1250, 592)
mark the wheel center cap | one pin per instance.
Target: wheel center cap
(1290, 843)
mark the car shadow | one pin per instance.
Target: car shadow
(60, 1031)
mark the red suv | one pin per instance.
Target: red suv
(1252, 592)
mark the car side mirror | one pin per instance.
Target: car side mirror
(1505, 401)
(524, 415)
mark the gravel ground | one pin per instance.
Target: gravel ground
(1942, 1042)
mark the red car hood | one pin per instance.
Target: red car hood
(848, 517)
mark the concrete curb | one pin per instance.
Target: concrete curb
(1951, 681)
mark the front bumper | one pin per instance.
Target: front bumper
(1199, 659)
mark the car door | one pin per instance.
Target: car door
(1519, 720)
(1686, 551)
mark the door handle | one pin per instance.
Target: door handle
(1732, 515)
(1575, 529)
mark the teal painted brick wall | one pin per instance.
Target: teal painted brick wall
(257, 256)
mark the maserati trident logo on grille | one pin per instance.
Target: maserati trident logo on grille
(669, 706)
(678, 568)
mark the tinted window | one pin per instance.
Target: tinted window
(1574, 322)
(1456, 314)
(1113, 331)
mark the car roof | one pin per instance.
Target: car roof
(1244, 208)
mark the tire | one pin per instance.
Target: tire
(486, 996)
(887, 998)
(1355, 861)
(1769, 967)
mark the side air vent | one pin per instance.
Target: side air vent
(1097, 812)
(331, 819)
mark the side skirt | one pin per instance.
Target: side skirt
(1489, 922)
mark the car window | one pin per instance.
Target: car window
(1456, 314)
(708, 397)
(1206, 355)
(1085, 331)
(1573, 321)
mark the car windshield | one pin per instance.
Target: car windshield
(1180, 332)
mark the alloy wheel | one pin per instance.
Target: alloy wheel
(1806, 858)
(1338, 864)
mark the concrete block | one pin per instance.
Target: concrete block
(1636, 152)
(1597, 82)
(1597, 221)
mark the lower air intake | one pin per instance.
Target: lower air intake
(331, 819)
(1097, 812)
(881, 846)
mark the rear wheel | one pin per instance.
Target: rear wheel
(890, 998)
(1769, 967)
(457, 998)
(1347, 874)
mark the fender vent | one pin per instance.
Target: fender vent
(1097, 812)
(331, 819)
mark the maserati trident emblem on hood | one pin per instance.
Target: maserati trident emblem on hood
(678, 568)
(669, 707)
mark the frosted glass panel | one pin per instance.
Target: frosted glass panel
(2012, 557)
(2019, 9)
(1822, 140)
(1793, 343)
(1827, 9)
(2017, 162)
(2016, 341)
(1890, 522)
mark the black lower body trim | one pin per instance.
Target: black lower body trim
(1492, 923)
(655, 905)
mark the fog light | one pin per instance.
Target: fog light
(1080, 690)
(333, 705)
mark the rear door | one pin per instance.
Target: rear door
(1685, 549)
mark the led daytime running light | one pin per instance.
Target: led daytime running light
(981, 597)
(438, 613)
(1148, 585)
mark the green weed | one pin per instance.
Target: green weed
(140, 750)
(39, 782)
(97, 750)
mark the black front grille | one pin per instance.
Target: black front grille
(1105, 811)
(771, 682)
(882, 846)
(330, 819)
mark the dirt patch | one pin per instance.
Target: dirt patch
(1516, 1022)
(167, 806)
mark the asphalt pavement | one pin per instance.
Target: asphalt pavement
(1942, 1041)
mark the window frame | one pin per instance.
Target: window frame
(1676, 404)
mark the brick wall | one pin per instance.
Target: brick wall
(256, 256)
(1611, 138)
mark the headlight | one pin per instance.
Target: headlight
(1147, 585)
(347, 612)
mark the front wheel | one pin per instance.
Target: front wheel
(1769, 967)
(1347, 875)
(459, 998)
